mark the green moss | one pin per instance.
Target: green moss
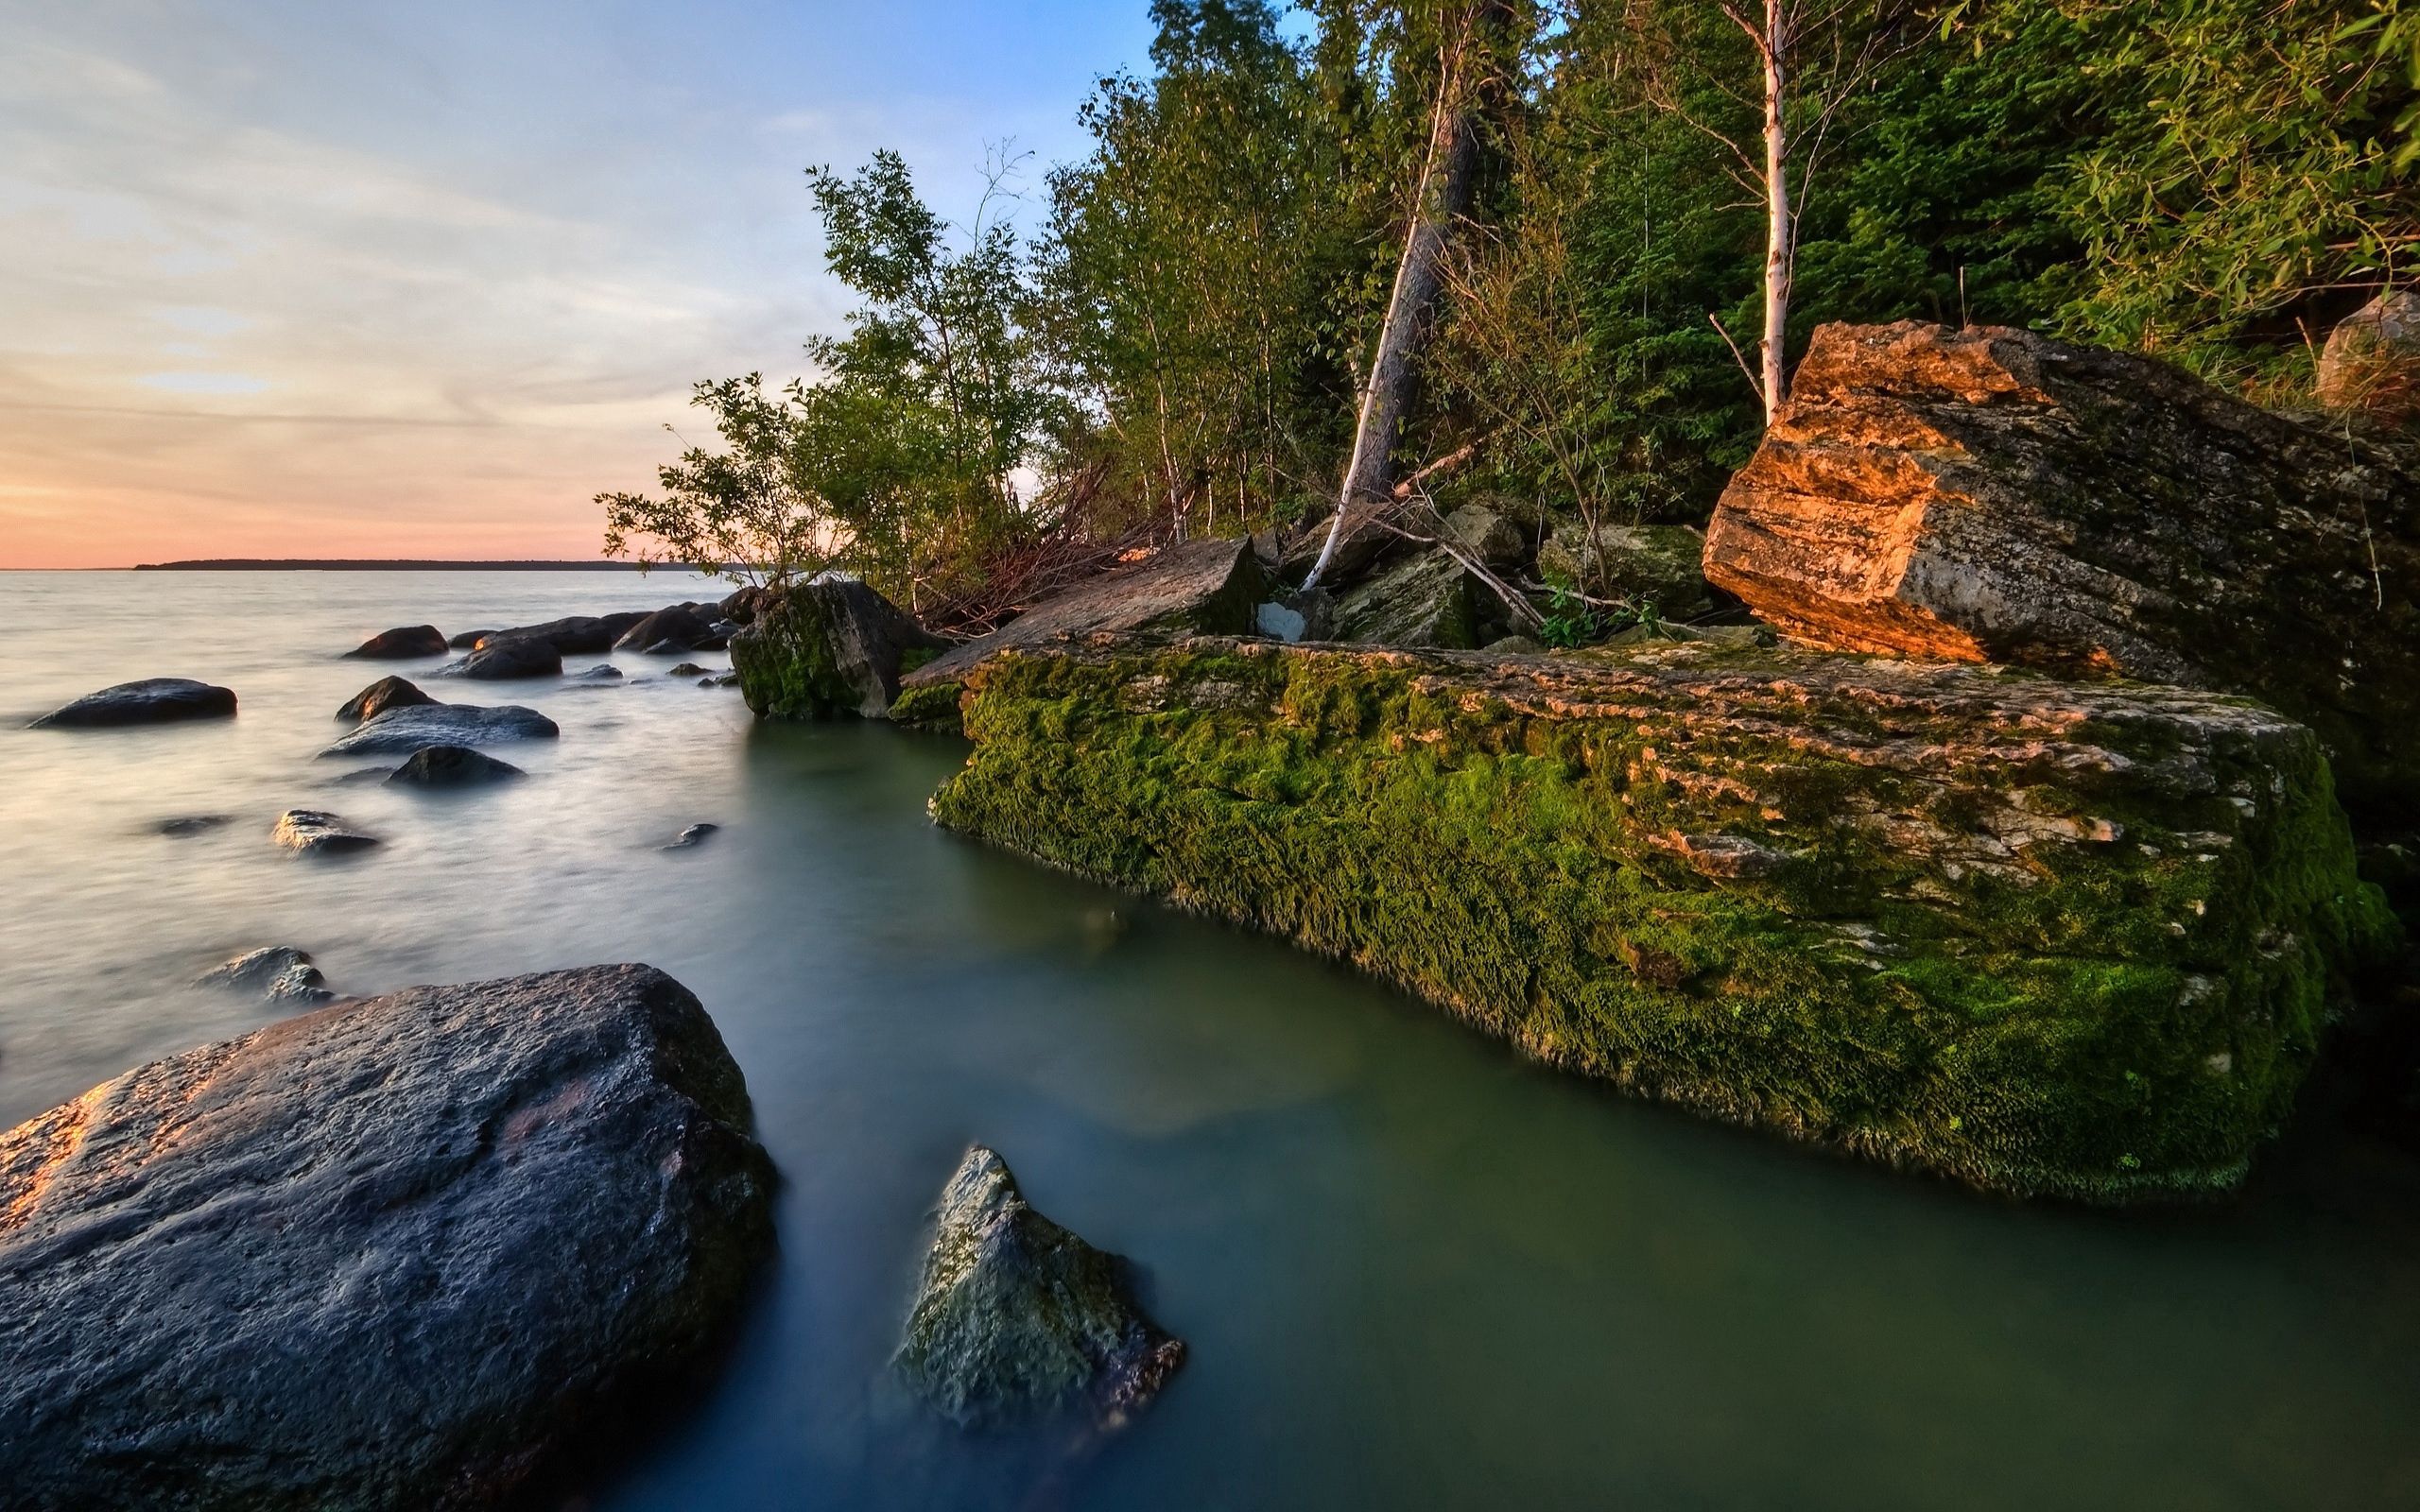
(786, 665)
(932, 706)
(2096, 1018)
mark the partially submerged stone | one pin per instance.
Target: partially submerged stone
(401, 730)
(1993, 495)
(1200, 588)
(393, 1255)
(387, 693)
(402, 643)
(452, 766)
(1015, 1318)
(152, 701)
(276, 973)
(315, 832)
(2045, 937)
(574, 634)
(503, 657)
(671, 630)
(826, 648)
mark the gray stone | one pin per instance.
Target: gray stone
(468, 639)
(1015, 1318)
(315, 832)
(1200, 588)
(669, 631)
(1662, 565)
(602, 672)
(574, 635)
(401, 644)
(421, 1251)
(1486, 535)
(1424, 601)
(187, 825)
(451, 766)
(690, 838)
(503, 657)
(387, 693)
(277, 974)
(401, 731)
(152, 701)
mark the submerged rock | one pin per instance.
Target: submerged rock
(574, 635)
(1992, 495)
(185, 826)
(399, 644)
(452, 766)
(1015, 1316)
(503, 657)
(152, 701)
(602, 672)
(401, 731)
(279, 974)
(387, 693)
(687, 669)
(827, 647)
(1979, 921)
(691, 837)
(315, 832)
(402, 1254)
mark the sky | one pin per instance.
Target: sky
(327, 277)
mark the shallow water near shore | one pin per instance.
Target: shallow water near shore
(1413, 1271)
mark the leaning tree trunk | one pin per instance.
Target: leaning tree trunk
(1444, 196)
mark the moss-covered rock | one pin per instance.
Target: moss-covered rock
(2043, 937)
(824, 648)
(1425, 601)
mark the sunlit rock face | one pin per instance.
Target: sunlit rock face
(1991, 495)
(2044, 937)
(399, 1254)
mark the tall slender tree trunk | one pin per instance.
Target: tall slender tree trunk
(1443, 196)
(1779, 253)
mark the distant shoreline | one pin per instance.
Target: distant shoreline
(342, 565)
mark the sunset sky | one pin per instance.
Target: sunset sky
(287, 278)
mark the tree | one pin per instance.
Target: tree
(739, 513)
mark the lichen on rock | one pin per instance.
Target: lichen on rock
(2044, 938)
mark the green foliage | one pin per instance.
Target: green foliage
(741, 512)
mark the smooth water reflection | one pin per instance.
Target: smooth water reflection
(1413, 1271)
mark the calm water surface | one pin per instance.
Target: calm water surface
(1414, 1272)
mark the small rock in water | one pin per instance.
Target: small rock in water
(725, 680)
(310, 831)
(451, 766)
(602, 672)
(401, 731)
(387, 693)
(396, 644)
(687, 669)
(279, 974)
(501, 658)
(1016, 1316)
(188, 825)
(694, 835)
(152, 701)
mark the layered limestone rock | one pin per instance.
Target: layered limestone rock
(2045, 937)
(1990, 495)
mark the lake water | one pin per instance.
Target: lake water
(1414, 1272)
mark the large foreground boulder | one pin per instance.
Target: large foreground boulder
(825, 648)
(152, 701)
(402, 643)
(401, 730)
(2043, 937)
(1016, 1316)
(394, 1255)
(1992, 495)
(1200, 588)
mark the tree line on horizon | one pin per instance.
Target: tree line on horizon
(1650, 205)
